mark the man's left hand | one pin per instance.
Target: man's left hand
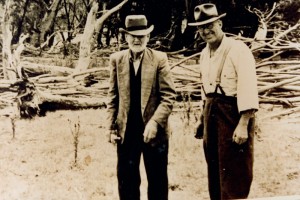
(150, 131)
(240, 134)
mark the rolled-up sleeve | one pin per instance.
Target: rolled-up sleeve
(247, 92)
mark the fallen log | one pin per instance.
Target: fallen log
(271, 57)
(272, 86)
(34, 102)
(272, 100)
(30, 67)
(277, 63)
(272, 77)
(288, 69)
(281, 113)
(50, 101)
(285, 94)
(291, 87)
(185, 59)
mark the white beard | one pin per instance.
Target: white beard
(137, 49)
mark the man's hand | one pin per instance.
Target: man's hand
(113, 136)
(240, 134)
(199, 128)
(150, 131)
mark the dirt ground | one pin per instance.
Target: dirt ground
(39, 162)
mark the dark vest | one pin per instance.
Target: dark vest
(135, 120)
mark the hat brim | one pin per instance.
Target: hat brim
(206, 21)
(138, 32)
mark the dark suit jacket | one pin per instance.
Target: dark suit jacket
(157, 89)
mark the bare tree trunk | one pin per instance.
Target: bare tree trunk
(187, 7)
(11, 59)
(20, 23)
(91, 26)
(87, 39)
(8, 68)
(100, 21)
(49, 19)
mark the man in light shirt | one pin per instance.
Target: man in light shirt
(230, 98)
(141, 97)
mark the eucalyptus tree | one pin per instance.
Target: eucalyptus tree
(93, 25)
(19, 20)
(10, 59)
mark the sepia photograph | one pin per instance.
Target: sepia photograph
(149, 100)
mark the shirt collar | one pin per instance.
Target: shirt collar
(139, 58)
(221, 47)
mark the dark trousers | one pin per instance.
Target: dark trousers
(155, 161)
(229, 165)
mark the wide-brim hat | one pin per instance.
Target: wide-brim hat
(137, 25)
(205, 13)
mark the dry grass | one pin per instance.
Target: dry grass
(38, 162)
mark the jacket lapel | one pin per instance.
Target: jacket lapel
(124, 79)
(148, 76)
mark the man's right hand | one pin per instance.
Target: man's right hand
(199, 128)
(113, 136)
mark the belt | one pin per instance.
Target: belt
(221, 96)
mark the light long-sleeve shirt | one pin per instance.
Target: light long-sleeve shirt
(238, 77)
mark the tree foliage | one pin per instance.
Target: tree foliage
(169, 18)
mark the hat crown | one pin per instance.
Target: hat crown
(205, 12)
(136, 22)
(137, 25)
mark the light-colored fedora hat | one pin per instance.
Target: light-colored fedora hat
(137, 25)
(205, 13)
